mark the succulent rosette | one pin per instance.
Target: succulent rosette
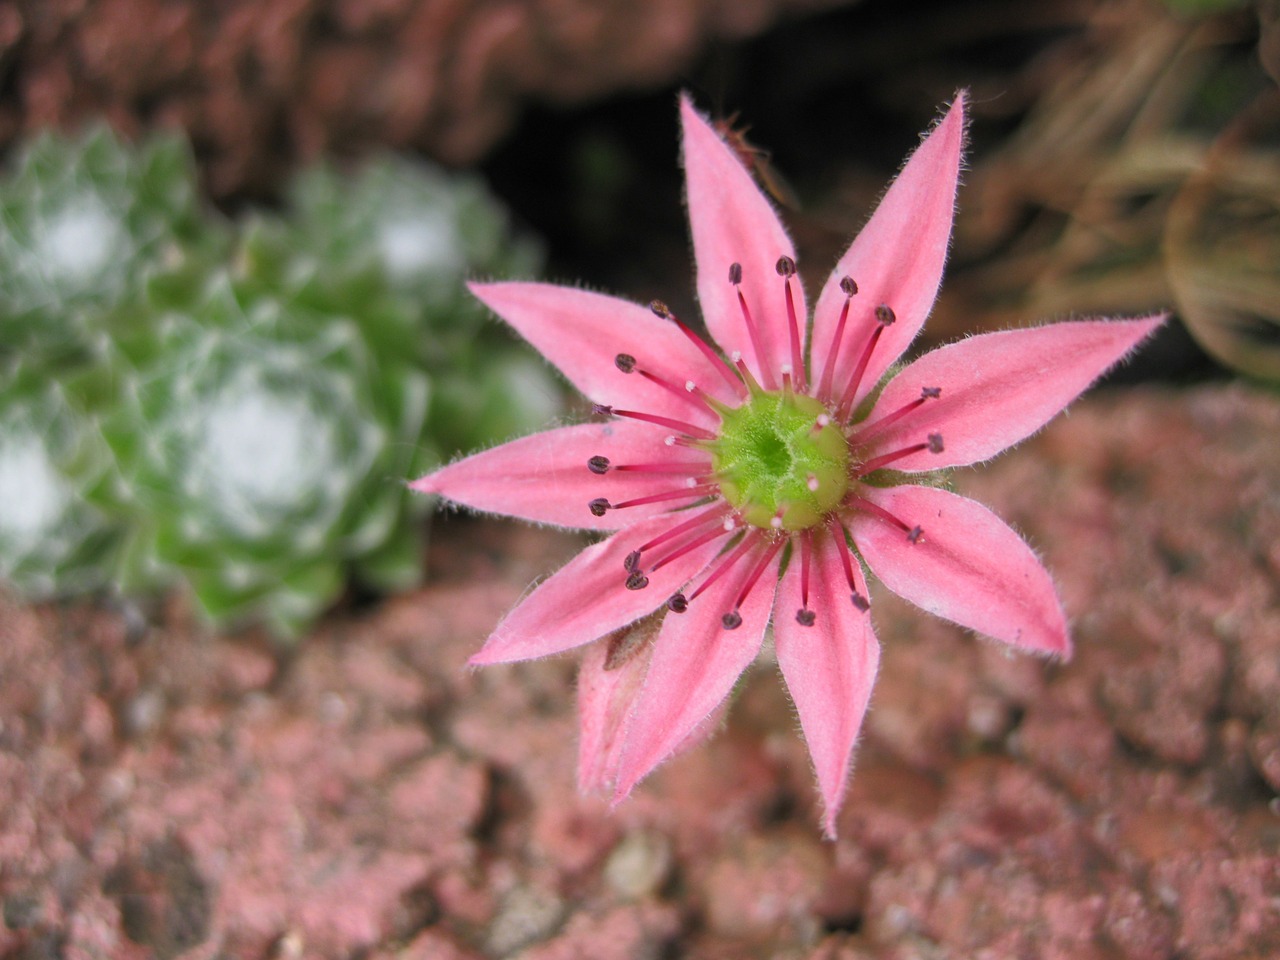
(85, 220)
(52, 542)
(256, 398)
(758, 482)
(256, 439)
(410, 232)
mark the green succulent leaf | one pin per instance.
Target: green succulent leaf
(85, 220)
(234, 406)
(52, 543)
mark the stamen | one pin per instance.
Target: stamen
(787, 269)
(914, 534)
(757, 572)
(804, 616)
(689, 443)
(714, 405)
(698, 490)
(688, 429)
(934, 445)
(668, 466)
(598, 465)
(637, 580)
(735, 278)
(678, 603)
(662, 310)
(750, 583)
(806, 558)
(753, 385)
(689, 392)
(598, 507)
(713, 516)
(926, 393)
(685, 547)
(632, 562)
(846, 400)
(860, 602)
(625, 362)
(824, 387)
(846, 560)
(747, 543)
(885, 314)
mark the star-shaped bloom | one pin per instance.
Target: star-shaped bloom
(753, 483)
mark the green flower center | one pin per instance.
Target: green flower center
(780, 462)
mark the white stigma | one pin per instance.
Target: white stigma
(812, 483)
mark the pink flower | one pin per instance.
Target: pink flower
(755, 484)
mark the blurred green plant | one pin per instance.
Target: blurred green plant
(82, 221)
(51, 540)
(234, 405)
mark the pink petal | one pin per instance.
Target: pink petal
(583, 333)
(696, 662)
(606, 692)
(829, 667)
(896, 260)
(732, 222)
(587, 598)
(999, 388)
(968, 567)
(544, 477)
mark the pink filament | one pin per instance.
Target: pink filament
(717, 361)
(797, 354)
(874, 464)
(684, 548)
(887, 419)
(688, 429)
(766, 374)
(678, 529)
(748, 542)
(846, 401)
(699, 491)
(828, 371)
(756, 573)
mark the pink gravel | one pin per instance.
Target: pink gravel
(176, 795)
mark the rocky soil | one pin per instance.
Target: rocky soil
(171, 794)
